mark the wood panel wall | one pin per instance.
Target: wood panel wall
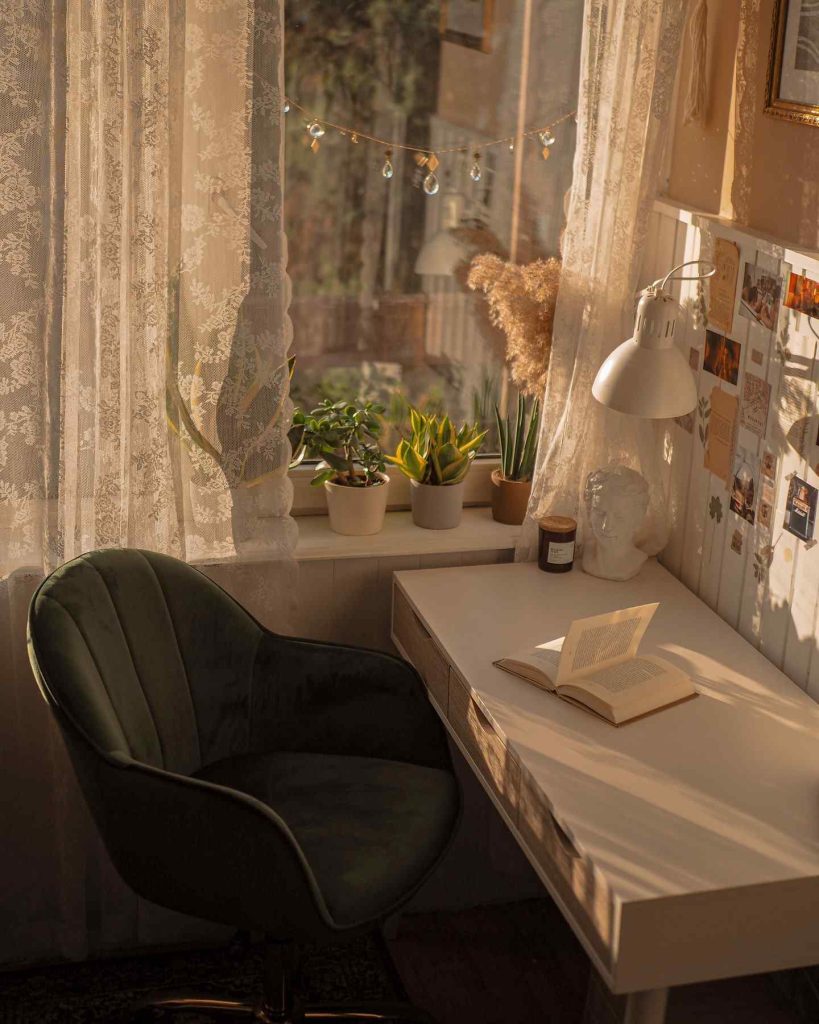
(769, 588)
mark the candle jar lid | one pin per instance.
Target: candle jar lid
(558, 524)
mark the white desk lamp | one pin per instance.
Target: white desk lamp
(645, 376)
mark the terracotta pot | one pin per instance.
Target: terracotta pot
(357, 511)
(437, 507)
(510, 499)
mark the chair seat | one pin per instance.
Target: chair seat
(370, 829)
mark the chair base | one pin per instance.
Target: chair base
(224, 1009)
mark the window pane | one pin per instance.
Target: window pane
(380, 307)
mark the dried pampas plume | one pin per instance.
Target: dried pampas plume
(522, 303)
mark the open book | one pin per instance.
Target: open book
(596, 665)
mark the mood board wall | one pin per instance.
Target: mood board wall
(742, 471)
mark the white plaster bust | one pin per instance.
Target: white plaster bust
(616, 502)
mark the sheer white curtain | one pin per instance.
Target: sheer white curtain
(628, 66)
(144, 340)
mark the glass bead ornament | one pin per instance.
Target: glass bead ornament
(475, 173)
(546, 152)
(547, 139)
(286, 106)
(354, 138)
(431, 184)
(316, 131)
(387, 170)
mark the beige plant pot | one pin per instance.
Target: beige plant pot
(437, 507)
(357, 511)
(510, 499)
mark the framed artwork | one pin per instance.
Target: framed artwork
(468, 23)
(793, 65)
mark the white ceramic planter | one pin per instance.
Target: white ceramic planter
(357, 511)
(437, 507)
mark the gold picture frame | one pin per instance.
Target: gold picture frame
(468, 23)
(792, 88)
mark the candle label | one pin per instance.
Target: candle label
(560, 553)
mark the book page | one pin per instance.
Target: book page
(602, 640)
(630, 688)
(539, 665)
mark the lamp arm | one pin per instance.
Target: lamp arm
(672, 274)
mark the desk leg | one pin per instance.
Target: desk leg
(646, 1007)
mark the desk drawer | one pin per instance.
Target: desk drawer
(420, 648)
(580, 887)
(487, 749)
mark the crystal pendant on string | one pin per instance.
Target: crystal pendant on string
(431, 184)
(475, 173)
(316, 130)
(547, 139)
(286, 107)
(387, 170)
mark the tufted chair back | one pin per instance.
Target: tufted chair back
(147, 657)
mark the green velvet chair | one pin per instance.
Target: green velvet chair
(299, 789)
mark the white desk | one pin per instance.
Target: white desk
(681, 847)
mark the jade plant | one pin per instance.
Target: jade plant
(518, 441)
(344, 436)
(435, 452)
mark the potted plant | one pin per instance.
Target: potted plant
(344, 435)
(436, 458)
(512, 483)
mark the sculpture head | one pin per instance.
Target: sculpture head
(616, 501)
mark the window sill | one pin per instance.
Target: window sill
(478, 532)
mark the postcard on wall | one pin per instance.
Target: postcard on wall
(803, 295)
(722, 356)
(756, 400)
(800, 509)
(743, 485)
(736, 542)
(769, 464)
(765, 517)
(721, 432)
(723, 285)
(761, 292)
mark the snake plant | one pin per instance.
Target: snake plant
(518, 441)
(435, 452)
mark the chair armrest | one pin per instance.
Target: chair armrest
(332, 699)
(202, 849)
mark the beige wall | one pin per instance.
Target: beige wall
(781, 157)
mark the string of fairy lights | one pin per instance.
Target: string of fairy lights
(427, 159)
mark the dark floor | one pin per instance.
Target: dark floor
(507, 964)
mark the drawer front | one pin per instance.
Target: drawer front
(497, 764)
(582, 890)
(420, 648)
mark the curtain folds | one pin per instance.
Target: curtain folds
(628, 69)
(144, 343)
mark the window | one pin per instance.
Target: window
(370, 320)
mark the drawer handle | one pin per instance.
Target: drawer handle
(563, 838)
(482, 716)
(421, 626)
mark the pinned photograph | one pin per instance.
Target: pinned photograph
(765, 514)
(803, 295)
(722, 356)
(743, 486)
(800, 509)
(736, 542)
(769, 464)
(761, 292)
(756, 398)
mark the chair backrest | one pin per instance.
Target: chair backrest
(146, 656)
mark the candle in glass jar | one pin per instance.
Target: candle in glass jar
(556, 539)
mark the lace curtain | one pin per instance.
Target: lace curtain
(628, 67)
(144, 339)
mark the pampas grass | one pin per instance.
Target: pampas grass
(521, 303)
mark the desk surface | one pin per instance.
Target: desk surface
(709, 797)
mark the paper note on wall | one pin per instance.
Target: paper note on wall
(721, 433)
(723, 288)
(756, 398)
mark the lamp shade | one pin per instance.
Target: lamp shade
(647, 375)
